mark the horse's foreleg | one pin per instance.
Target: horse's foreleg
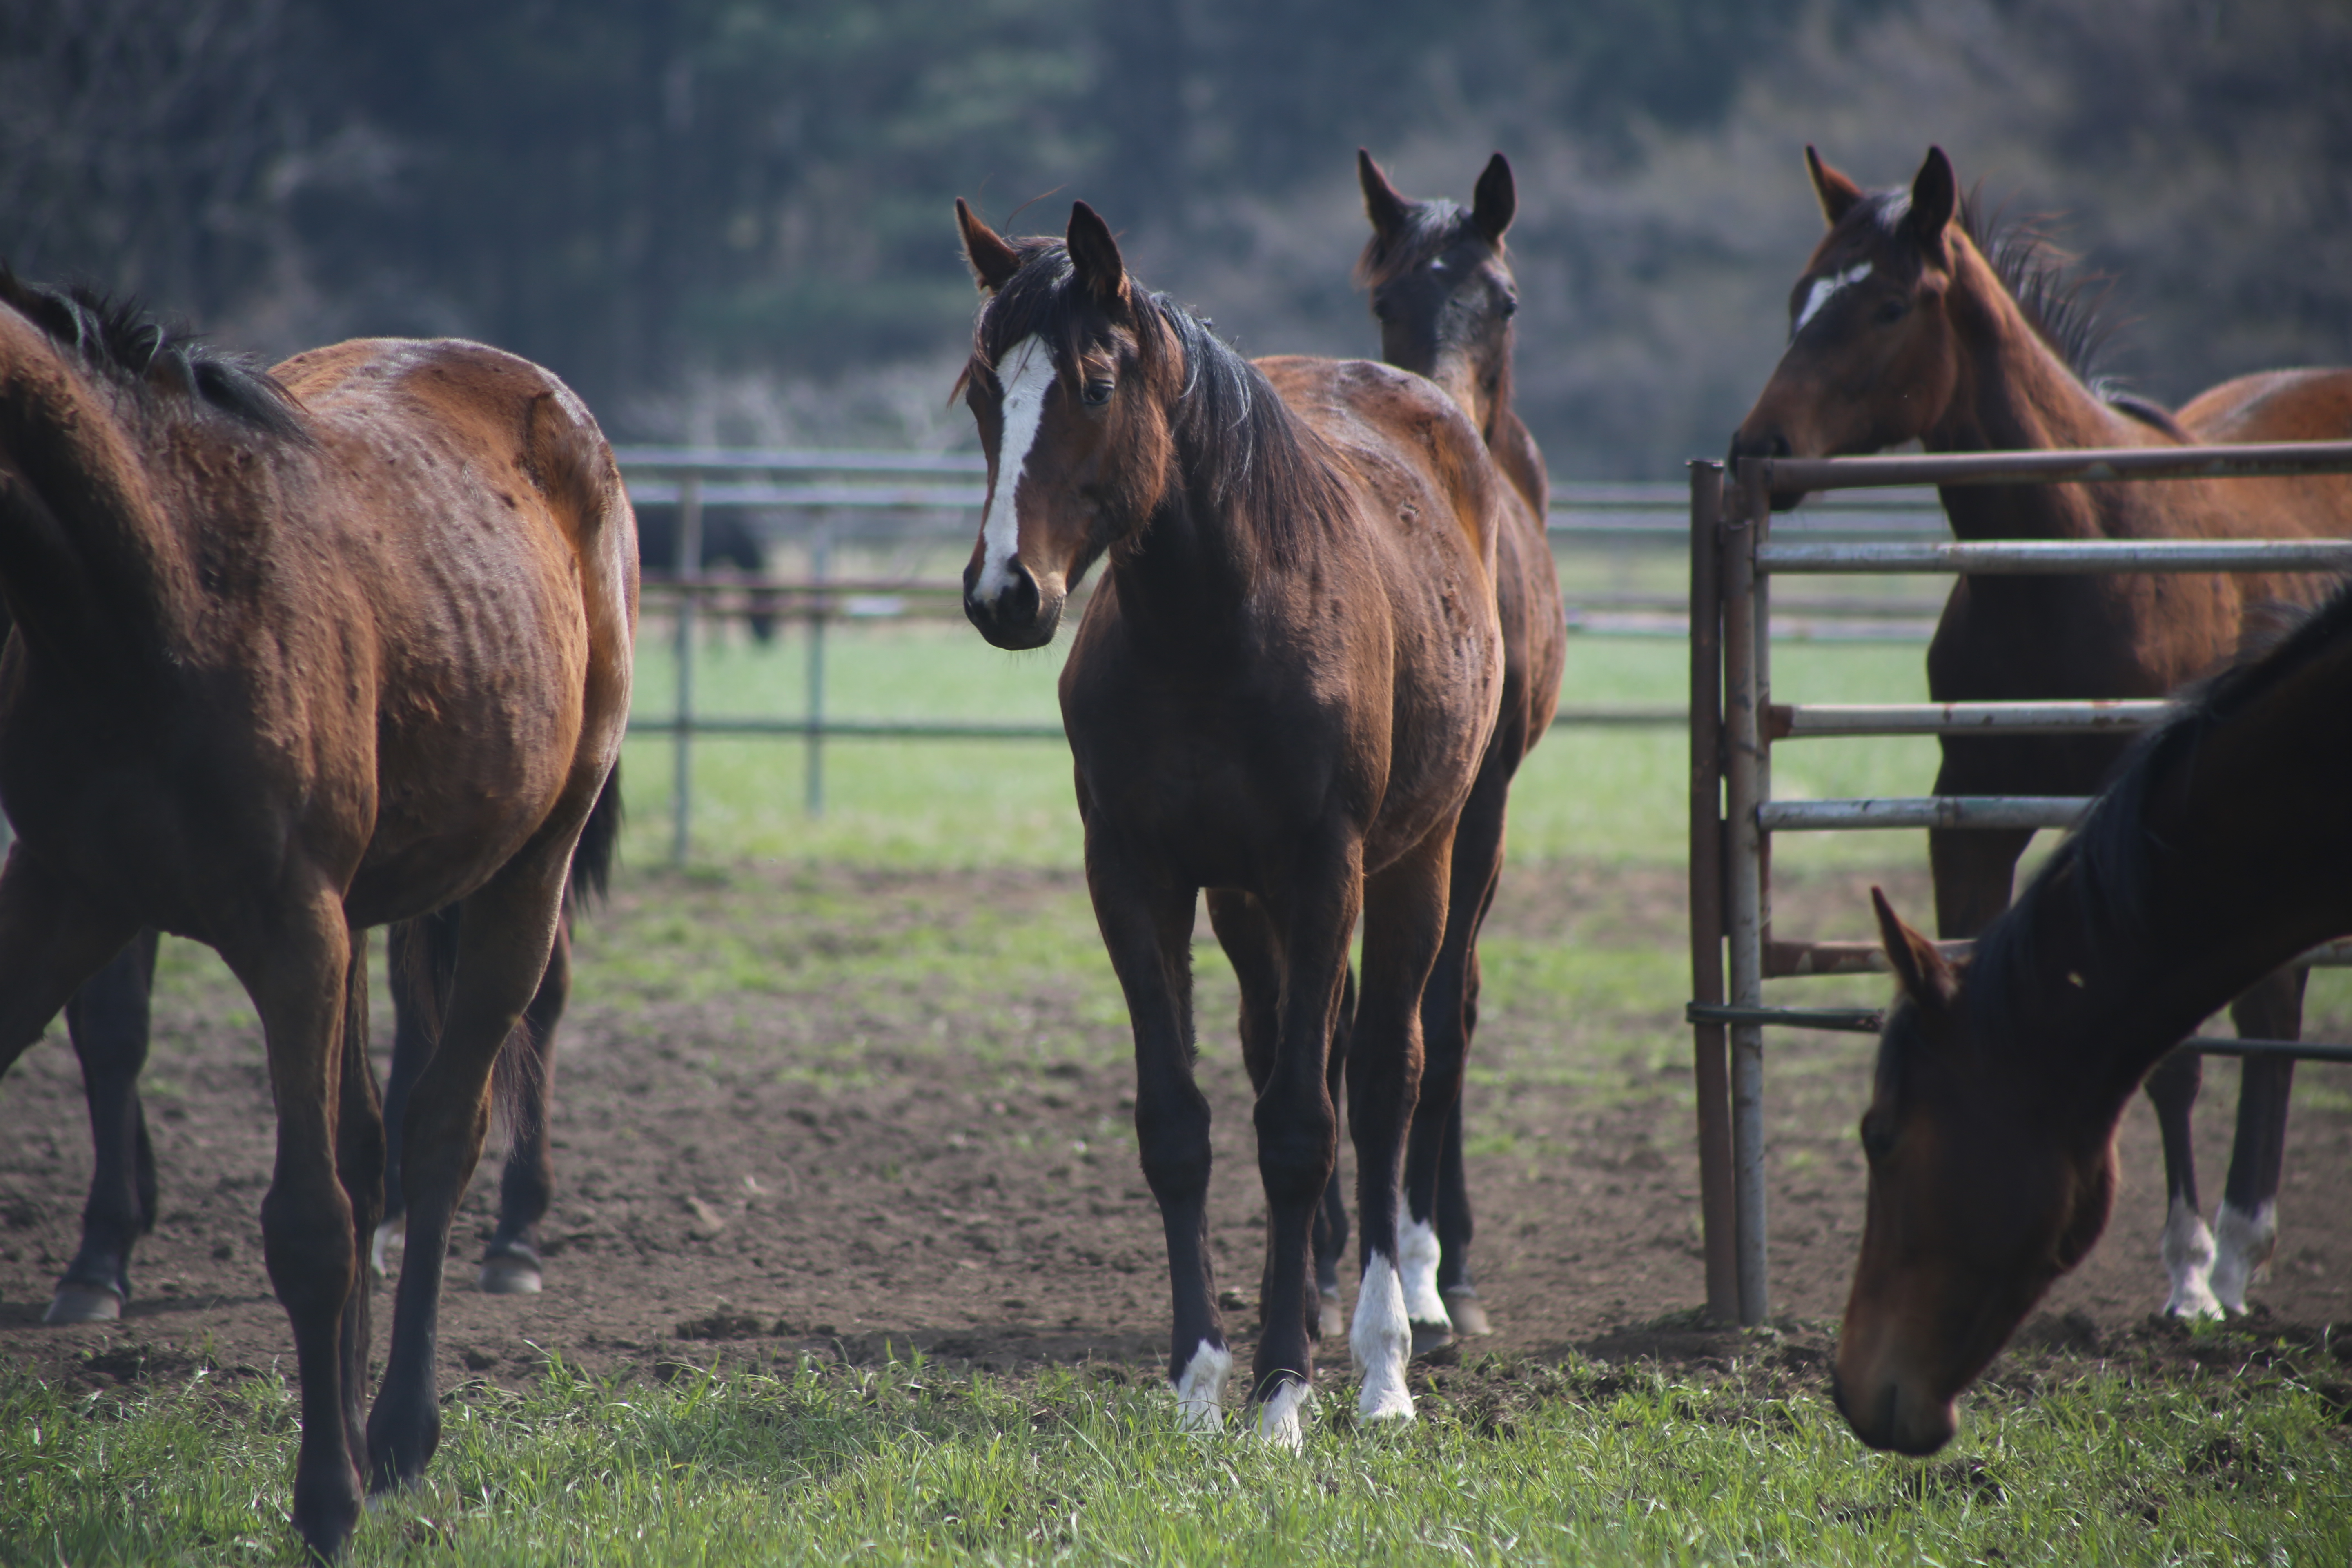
(1147, 927)
(1433, 1248)
(297, 974)
(2188, 1247)
(1298, 1129)
(107, 1019)
(1404, 924)
(505, 934)
(510, 1264)
(1251, 944)
(2246, 1231)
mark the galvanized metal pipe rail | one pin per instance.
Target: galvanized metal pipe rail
(1734, 724)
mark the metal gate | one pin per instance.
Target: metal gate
(1734, 724)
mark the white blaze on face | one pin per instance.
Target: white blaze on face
(1026, 372)
(1828, 289)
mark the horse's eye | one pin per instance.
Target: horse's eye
(1097, 392)
(1877, 1137)
(1511, 307)
(1893, 311)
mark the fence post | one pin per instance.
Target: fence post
(688, 567)
(1747, 624)
(1718, 1214)
(820, 564)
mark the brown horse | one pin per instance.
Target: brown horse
(2222, 851)
(294, 657)
(1280, 694)
(1915, 319)
(1443, 292)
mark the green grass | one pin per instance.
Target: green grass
(1574, 1462)
(1592, 793)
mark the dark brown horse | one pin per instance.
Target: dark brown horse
(107, 1019)
(297, 655)
(2222, 850)
(1443, 292)
(1280, 694)
(1915, 319)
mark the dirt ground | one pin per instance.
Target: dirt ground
(840, 1160)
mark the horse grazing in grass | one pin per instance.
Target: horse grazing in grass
(295, 656)
(1443, 292)
(1917, 319)
(2221, 850)
(107, 1019)
(1280, 693)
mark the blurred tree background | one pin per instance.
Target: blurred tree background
(729, 219)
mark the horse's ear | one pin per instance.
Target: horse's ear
(1093, 256)
(994, 262)
(1926, 976)
(1836, 193)
(1496, 200)
(1383, 204)
(1935, 197)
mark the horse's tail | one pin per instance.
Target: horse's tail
(599, 846)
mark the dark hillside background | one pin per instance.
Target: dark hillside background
(729, 219)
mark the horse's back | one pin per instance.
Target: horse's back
(2275, 405)
(1405, 440)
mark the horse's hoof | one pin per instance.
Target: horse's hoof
(1470, 1320)
(84, 1304)
(505, 1276)
(1331, 1322)
(1428, 1337)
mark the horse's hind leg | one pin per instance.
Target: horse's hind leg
(1147, 929)
(510, 1264)
(1332, 1214)
(358, 1164)
(2246, 1230)
(1433, 1248)
(2172, 1090)
(107, 1019)
(505, 933)
(419, 956)
(1404, 924)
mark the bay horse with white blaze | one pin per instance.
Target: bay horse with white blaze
(1916, 319)
(1442, 291)
(298, 655)
(2222, 850)
(1279, 694)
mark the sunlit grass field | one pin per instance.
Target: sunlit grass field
(1565, 1460)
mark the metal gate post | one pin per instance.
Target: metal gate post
(820, 605)
(690, 573)
(1710, 1074)
(1746, 627)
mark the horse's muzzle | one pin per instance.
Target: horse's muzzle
(1018, 614)
(1772, 444)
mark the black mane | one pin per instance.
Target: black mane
(1245, 450)
(129, 346)
(2111, 853)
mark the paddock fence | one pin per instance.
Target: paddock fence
(1737, 549)
(869, 538)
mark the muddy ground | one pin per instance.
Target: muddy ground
(826, 1110)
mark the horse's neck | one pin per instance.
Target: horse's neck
(2015, 394)
(87, 557)
(1480, 385)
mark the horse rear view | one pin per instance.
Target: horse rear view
(297, 656)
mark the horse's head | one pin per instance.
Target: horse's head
(1441, 289)
(1975, 1207)
(1072, 371)
(1871, 361)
